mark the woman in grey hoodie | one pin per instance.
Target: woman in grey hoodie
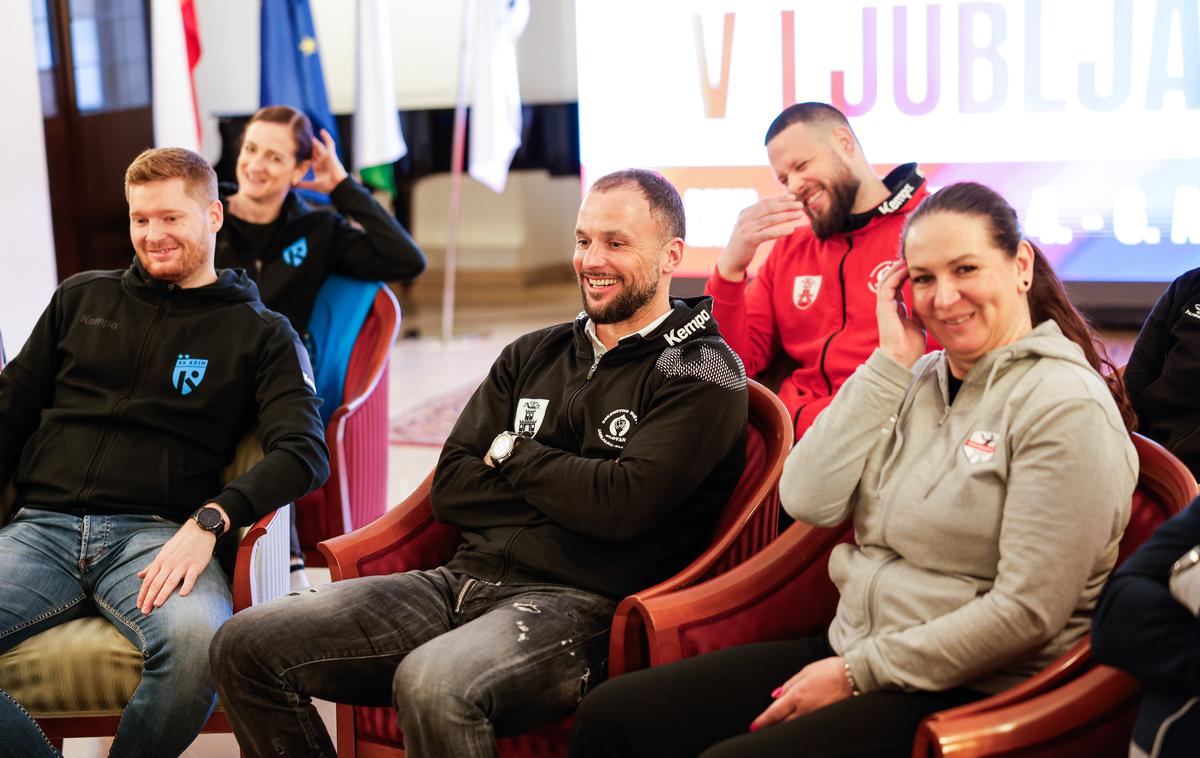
(989, 484)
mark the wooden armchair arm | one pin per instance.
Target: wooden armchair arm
(405, 538)
(1090, 715)
(1068, 666)
(782, 592)
(261, 573)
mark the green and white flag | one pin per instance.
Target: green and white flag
(377, 139)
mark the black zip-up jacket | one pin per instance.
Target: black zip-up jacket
(1164, 368)
(131, 395)
(310, 243)
(631, 459)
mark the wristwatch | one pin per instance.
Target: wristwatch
(503, 446)
(209, 519)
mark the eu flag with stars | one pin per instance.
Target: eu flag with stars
(291, 64)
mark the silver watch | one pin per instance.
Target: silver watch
(503, 446)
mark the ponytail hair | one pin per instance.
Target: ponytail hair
(1047, 297)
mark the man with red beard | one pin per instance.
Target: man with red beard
(837, 228)
(590, 463)
(116, 420)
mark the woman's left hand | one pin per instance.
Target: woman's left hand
(818, 684)
(328, 171)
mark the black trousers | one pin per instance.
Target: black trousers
(704, 705)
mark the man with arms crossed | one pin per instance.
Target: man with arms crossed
(116, 420)
(590, 463)
(812, 304)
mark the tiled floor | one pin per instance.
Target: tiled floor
(424, 368)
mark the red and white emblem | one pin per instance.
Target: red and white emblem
(805, 290)
(980, 446)
(877, 276)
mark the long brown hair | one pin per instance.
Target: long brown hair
(1047, 298)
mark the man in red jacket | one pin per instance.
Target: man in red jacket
(813, 301)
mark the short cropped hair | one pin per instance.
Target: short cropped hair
(162, 163)
(665, 204)
(806, 113)
(301, 127)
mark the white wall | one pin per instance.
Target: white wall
(531, 224)
(27, 268)
(425, 46)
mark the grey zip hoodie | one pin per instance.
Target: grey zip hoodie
(985, 529)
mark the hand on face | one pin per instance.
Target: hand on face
(901, 335)
(768, 219)
(328, 171)
(818, 684)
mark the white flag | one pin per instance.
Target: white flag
(496, 109)
(174, 103)
(377, 138)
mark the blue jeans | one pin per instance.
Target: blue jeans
(58, 567)
(460, 659)
(23, 738)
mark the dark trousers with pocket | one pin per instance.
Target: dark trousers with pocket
(704, 706)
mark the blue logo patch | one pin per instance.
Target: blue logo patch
(189, 372)
(295, 253)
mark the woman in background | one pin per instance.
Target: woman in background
(288, 247)
(988, 483)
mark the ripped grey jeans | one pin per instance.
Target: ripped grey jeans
(461, 660)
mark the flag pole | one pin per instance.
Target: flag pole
(457, 153)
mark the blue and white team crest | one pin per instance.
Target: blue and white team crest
(295, 253)
(189, 372)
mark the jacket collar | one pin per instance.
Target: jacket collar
(688, 319)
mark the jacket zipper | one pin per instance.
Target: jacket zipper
(506, 555)
(462, 595)
(571, 403)
(871, 589)
(842, 328)
(87, 488)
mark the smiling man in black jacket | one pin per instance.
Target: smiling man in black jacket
(591, 463)
(116, 419)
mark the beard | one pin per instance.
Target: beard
(622, 307)
(191, 258)
(842, 192)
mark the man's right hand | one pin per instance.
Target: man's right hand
(768, 219)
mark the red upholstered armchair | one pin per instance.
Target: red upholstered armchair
(1071, 708)
(408, 537)
(357, 435)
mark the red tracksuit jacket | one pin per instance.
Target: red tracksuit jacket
(815, 301)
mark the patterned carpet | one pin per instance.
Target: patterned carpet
(429, 423)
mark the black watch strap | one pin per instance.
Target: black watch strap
(209, 519)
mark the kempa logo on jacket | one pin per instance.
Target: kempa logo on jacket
(189, 372)
(295, 253)
(615, 427)
(805, 290)
(675, 336)
(1194, 311)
